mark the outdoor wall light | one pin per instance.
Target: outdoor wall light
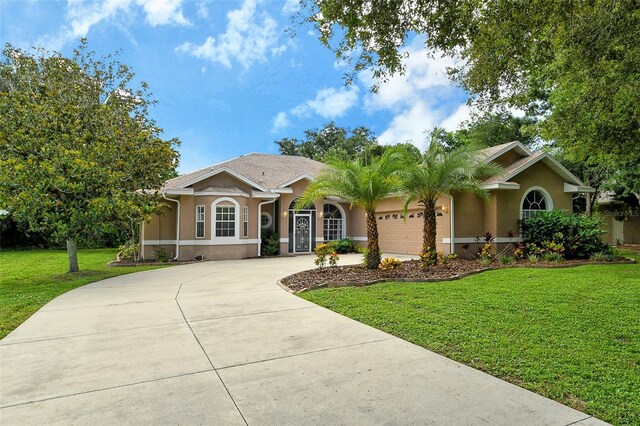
(284, 214)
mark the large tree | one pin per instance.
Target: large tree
(495, 128)
(78, 149)
(331, 141)
(441, 172)
(362, 185)
(573, 62)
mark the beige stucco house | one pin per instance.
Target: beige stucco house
(219, 211)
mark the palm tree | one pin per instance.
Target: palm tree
(362, 185)
(440, 172)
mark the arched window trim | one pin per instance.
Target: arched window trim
(342, 213)
(547, 198)
(269, 220)
(238, 212)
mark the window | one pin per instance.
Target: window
(225, 221)
(332, 222)
(534, 202)
(265, 220)
(245, 221)
(199, 221)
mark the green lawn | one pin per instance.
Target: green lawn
(572, 334)
(30, 279)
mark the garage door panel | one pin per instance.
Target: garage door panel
(397, 235)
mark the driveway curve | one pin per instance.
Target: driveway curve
(221, 343)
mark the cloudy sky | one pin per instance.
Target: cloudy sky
(230, 79)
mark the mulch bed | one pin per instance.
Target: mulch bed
(410, 271)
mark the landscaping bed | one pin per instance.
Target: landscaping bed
(411, 270)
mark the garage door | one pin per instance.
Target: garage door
(397, 235)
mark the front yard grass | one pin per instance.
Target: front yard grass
(572, 334)
(30, 279)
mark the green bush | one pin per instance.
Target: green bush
(270, 243)
(129, 251)
(160, 254)
(579, 236)
(343, 246)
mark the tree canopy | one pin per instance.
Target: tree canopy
(330, 141)
(78, 149)
(573, 63)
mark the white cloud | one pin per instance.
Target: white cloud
(163, 12)
(291, 7)
(411, 125)
(451, 123)
(329, 102)
(248, 38)
(83, 15)
(420, 99)
(280, 121)
(203, 11)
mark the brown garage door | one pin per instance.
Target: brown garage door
(397, 235)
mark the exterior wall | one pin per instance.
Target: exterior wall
(469, 213)
(632, 230)
(226, 252)
(161, 227)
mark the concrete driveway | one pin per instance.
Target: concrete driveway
(219, 343)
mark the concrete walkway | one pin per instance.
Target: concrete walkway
(219, 343)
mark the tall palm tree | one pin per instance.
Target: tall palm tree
(440, 172)
(362, 185)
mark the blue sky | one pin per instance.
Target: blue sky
(230, 80)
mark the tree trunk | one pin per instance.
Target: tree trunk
(429, 226)
(72, 252)
(588, 203)
(373, 257)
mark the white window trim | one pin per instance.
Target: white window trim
(344, 217)
(204, 222)
(548, 200)
(245, 221)
(236, 237)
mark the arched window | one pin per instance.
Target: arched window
(534, 201)
(226, 218)
(333, 222)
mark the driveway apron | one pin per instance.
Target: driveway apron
(220, 343)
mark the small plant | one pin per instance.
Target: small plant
(324, 254)
(389, 264)
(506, 260)
(433, 257)
(129, 251)
(485, 254)
(343, 246)
(488, 237)
(552, 257)
(603, 256)
(160, 254)
(552, 247)
(534, 258)
(485, 262)
(466, 247)
(518, 251)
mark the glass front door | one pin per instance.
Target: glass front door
(302, 233)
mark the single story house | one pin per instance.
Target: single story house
(219, 212)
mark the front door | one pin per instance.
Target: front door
(302, 233)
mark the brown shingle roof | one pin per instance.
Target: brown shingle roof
(507, 171)
(267, 170)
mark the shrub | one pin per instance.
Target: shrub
(389, 263)
(160, 254)
(129, 251)
(533, 258)
(485, 254)
(552, 257)
(580, 235)
(324, 254)
(433, 257)
(343, 246)
(506, 260)
(270, 243)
